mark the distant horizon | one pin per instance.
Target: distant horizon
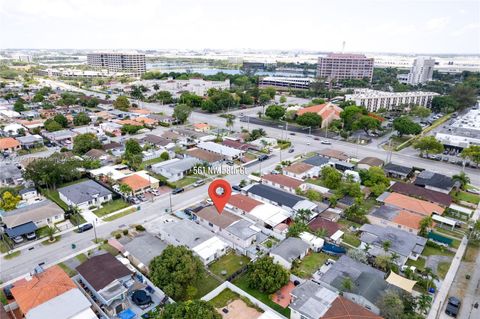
(389, 26)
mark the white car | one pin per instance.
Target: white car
(326, 142)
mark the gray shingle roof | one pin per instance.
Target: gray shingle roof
(428, 178)
(275, 195)
(84, 191)
(316, 160)
(187, 233)
(397, 169)
(242, 229)
(290, 249)
(145, 247)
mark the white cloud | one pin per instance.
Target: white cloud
(437, 23)
(472, 28)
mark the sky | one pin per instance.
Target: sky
(403, 26)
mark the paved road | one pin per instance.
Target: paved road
(49, 254)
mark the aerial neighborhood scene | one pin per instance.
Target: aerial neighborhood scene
(239, 160)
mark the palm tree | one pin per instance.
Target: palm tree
(229, 123)
(386, 245)
(425, 224)
(367, 247)
(431, 276)
(125, 190)
(347, 284)
(394, 256)
(423, 303)
(462, 179)
(50, 233)
(321, 232)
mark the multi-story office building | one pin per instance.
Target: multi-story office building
(285, 83)
(340, 66)
(373, 100)
(421, 71)
(132, 63)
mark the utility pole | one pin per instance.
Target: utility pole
(95, 231)
(171, 210)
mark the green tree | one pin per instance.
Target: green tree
(132, 147)
(61, 119)
(462, 179)
(264, 98)
(191, 309)
(38, 97)
(424, 224)
(297, 227)
(366, 123)
(347, 284)
(283, 99)
(181, 112)
(404, 125)
(350, 114)
(472, 153)
(175, 270)
(229, 122)
(464, 95)
(266, 276)
(391, 305)
(275, 112)
(164, 97)
(19, 105)
(9, 201)
(423, 303)
(52, 126)
(310, 119)
(125, 189)
(85, 142)
(52, 171)
(51, 233)
(81, 119)
(331, 177)
(386, 245)
(130, 129)
(428, 145)
(164, 156)
(421, 111)
(122, 103)
(444, 104)
(190, 99)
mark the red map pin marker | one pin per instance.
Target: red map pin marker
(220, 192)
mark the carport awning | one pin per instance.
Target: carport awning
(21, 230)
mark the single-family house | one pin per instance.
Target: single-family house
(201, 127)
(99, 155)
(175, 169)
(142, 249)
(333, 154)
(106, 278)
(85, 194)
(317, 160)
(395, 217)
(139, 182)
(436, 182)
(9, 145)
(289, 250)
(315, 242)
(412, 190)
(222, 150)
(112, 128)
(13, 129)
(284, 182)
(242, 204)
(411, 204)
(369, 161)
(405, 244)
(398, 171)
(30, 141)
(328, 111)
(212, 159)
(301, 170)
(50, 293)
(63, 138)
(10, 175)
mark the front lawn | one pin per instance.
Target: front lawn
(54, 197)
(70, 272)
(308, 265)
(241, 282)
(13, 255)
(442, 269)
(187, 180)
(229, 263)
(430, 251)
(205, 284)
(150, 162)
(419, 263)
(111, 207)
(351, 239)
(4, 246)
(120, 215)
(108, 248)
(467, 197)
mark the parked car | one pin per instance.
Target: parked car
(237, 188)
(291, 150)
(84, 228)
(178, 190)
(31, 236)
(155, 192)
(453, 306)
(134, 200)
(291, 133)
(200, 182)
(18, 239)
(142, 198)
(263, 158)
(7, 291)
(316, 139)
(325, 142)
(230, 163)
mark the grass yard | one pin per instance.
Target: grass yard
(471, 253)
(306, 267)
(442, 269)
(230, 263)
(351, 239)
(70, 272)
(241, 282)
(107, 247)
(111, 207)
(120, 215)
(4, 246)
(3, 299)
(224, 298)
(347, 224)
(54, 197)
(467, 197)
(206, 284)
(13, 255)
(150, 162)
(315, 181)
(187, 180)
(419, 263)
(429, 251)
(81, 258)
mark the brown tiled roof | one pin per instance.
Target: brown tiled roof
(342, 308)
(298, 168)
(155, 139)
(41, 288)
(243, 202)
(222, 220)
(101, 270)
(413, 204)
(423, 193)
(136, 182)
(129, 122)
(328, 152)
(238, 145)
(322, 223)
(283, 180)
(8, 142)
(94, 153)
(204, 155)
(372, 161)
(112, 145)
(408, 219)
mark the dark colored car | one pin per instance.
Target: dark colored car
(237, 188)
(453, 306)
(263, 158)
(178, 190)
(7, 290)
(291, 150)
(84, 228)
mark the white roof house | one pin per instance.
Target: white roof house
(210, 247)
(13, 128)
(270, 214)
(316, 243)
(175, 169)
(223, 150)
(113, 171)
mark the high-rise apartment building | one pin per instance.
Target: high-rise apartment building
(421, 71)
(132, 63)
(341, 66)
